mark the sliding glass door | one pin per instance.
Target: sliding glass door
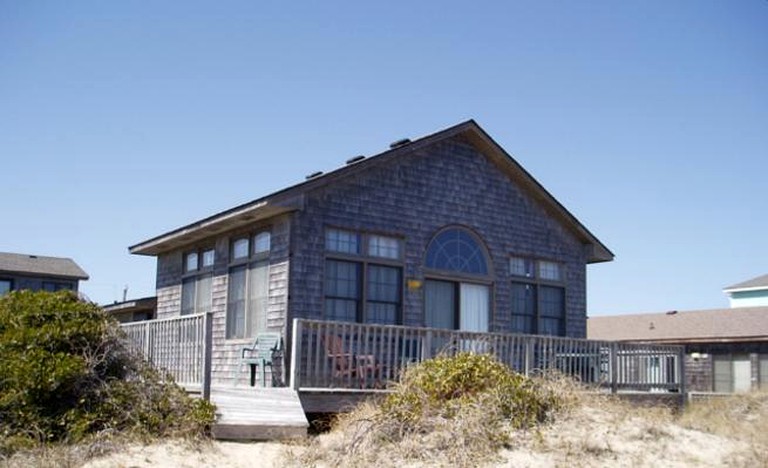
(455, 305)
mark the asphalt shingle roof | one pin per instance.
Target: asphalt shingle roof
(40, 265)
(759, 282)
(735, 324)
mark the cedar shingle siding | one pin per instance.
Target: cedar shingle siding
(448, 183)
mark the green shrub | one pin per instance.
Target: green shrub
(65, 374)
(442, 386)
(448, 411)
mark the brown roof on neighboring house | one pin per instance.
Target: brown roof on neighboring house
(40, 265)
(291, 198)
(761, 282)
(149, 302)
(715, 325)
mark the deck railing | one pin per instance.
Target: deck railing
(179, 345)
(349, 356)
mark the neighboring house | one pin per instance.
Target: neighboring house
(749, 293)
(36, 272)
(134, 310)
(726, 349)
(447, 231)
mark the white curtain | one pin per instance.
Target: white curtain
(474, 307)
(258, 297)
(439, 304)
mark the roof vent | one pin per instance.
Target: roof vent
(399, 143)
(355, 159)
(672, 312)
(314, 175)
(33, 256)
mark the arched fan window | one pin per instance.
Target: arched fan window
(455, 249)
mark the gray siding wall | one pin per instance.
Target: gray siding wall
(414, 197)
(226, 352)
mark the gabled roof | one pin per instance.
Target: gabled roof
(696, 326)
(761, 282)
(291, 198)
(41, 266)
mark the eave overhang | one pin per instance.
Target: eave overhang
(229, 220)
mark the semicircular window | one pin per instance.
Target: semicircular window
(456, 250)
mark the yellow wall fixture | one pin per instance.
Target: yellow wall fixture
(414, 284)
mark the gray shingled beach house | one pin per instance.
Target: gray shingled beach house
(447, 231)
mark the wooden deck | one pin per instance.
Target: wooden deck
(253, 413)
(334, 365)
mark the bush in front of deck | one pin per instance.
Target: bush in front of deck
(444, 385)
(65, 375)
(451, 410)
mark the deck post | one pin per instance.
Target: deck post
(295, 354)
(147, 346)
(426, 347)
(207, 354)
(614, 367)
(681, 373)
(529, 356)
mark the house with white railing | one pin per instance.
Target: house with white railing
(440, 243)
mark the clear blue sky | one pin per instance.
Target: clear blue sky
(647, 119)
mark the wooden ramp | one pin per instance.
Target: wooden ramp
(255, 413)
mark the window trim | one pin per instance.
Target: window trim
(10, 283)
(250, 261)
(490, 274)
(364, 260)
(539, 283)
(199, 268)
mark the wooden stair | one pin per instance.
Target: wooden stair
(255, 413)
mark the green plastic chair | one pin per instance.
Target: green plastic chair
(260, 355)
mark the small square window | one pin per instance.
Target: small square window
(261, 242)
(240, 248)
(384, 247)
(519, 266)
(550, 271)
(208, 258)
(190, 263)
(337, 240)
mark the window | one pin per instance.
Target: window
(240, 248)
(550, 271)
(191, 262)
(383, 301)
(248, 289)
(383, 247)
(53, 286)
(261, 242)
(537, 296)
(362, 289)
(732, 373)
(521, 267)
(342, 290)
(196, 286)
(6, 286)
(524, 307)
(455, 249)
(208, 257)
(337, 240)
